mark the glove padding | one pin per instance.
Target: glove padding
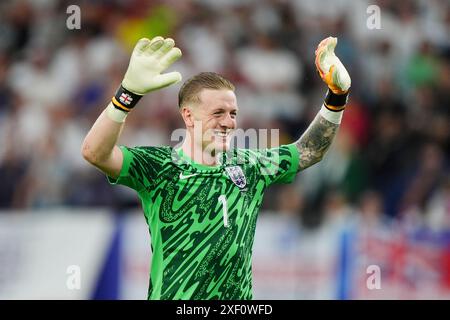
(148, 60)
(330, 68)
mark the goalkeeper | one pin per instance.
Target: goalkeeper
(201, 200)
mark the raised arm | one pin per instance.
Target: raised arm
(316, 140)
(148, 60)
(99, 146)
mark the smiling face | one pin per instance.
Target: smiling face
(212, 119)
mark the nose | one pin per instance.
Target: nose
(227, 121)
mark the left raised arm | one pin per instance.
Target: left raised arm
(316, 140)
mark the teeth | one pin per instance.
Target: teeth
(221, 133)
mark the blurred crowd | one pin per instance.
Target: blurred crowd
(389, 161)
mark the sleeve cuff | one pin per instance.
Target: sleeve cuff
(124, 169)
(293, 169)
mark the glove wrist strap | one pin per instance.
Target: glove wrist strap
(124, 99)
(335, 102)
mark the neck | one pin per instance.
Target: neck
(198, 154)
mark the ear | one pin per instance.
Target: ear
(187, 115)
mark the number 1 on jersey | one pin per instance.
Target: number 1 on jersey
(223, 199)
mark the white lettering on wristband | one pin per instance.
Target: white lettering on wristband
(115, 114)
(332, 116)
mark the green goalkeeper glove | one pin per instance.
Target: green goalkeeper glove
(148, 60)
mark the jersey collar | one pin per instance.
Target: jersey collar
(186, 159)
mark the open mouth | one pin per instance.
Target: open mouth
(222, 134)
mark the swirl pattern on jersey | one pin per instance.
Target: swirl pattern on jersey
(201, 256)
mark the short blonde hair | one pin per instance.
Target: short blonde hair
(190, 90)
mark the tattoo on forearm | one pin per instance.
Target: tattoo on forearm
(316, 140)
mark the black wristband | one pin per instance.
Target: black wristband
(335, 102)
(125, 100)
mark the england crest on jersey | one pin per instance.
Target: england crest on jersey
(237, 176)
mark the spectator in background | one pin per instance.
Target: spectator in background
(371, 211)
(422, 179)
(438, 209)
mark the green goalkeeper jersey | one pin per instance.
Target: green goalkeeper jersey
(201, 218)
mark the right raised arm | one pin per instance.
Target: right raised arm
(99, 147)
(148, 60)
